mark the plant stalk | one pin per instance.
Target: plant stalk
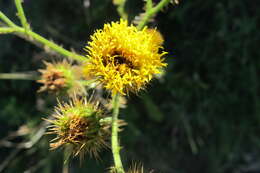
(6, 30)
(53, 46)
(18, 76)
(7, 20)
(36, 38)
(121, 10)
(21, 15)
(151, 12)
(149, 4)
(114, 137)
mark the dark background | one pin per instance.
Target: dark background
(203, 116)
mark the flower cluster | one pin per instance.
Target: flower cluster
(122, 59)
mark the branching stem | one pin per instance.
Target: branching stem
(26, 33)
(53, 46)
(150, 12)
(5, 19)
(21, 15)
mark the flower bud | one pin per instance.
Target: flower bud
(77, 126)
(60, 78)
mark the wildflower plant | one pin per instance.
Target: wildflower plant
(121, 58)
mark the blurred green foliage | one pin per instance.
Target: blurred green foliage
(203, 116)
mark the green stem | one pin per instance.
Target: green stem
(7, 30)
(21, 15)
(121, 10)
(66, 160)
(18, 76)
(151, 12)
(114, 137)
(107, 120)
(54, 46)
(65, 168)
(34, 37)
(149, 4)
(7, 20)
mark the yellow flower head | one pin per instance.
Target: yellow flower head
(79, 128)
(122, 58)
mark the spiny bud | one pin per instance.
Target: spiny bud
(61, 77)
(78, 126)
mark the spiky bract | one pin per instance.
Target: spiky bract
(61, 77)
(77, 126)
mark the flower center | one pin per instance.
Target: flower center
(77, 130)
(118, 61)
(54, 80)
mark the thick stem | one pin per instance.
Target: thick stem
(114, 137)
(152, 11)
